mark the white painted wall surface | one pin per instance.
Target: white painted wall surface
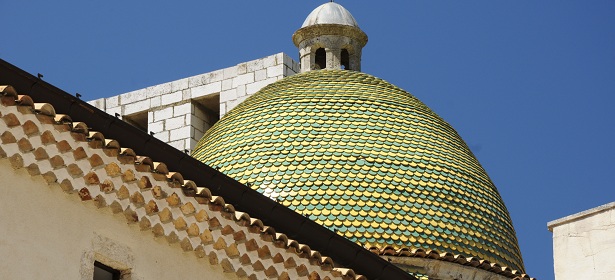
(48, 234)
(584, 245)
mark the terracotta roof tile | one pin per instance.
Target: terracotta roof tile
(118, 182)
(68, 154)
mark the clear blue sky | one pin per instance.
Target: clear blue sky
(529, 85)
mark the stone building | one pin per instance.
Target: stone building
(583, 244)
(88, 196)
(310, 170)
(179, 112)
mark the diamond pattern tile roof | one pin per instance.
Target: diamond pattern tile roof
(366, 159)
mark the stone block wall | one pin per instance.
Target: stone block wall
(584, 244)
(180, 112)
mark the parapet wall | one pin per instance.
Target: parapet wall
(584, 244)
(179, 112)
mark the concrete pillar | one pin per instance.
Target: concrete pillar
(334, 58)
(306, 57)
(355, 60)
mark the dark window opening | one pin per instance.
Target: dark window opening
(345, 59)
(103, 272)
(206, 114)
(321, 59)
(138, 120)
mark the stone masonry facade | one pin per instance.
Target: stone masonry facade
(584, 244)
(180, 112)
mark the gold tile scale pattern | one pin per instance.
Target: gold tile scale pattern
(367, 160)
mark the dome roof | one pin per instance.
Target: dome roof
(366, 159)
(330, 13)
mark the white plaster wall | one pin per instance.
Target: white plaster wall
(48, 234)
(584, 245)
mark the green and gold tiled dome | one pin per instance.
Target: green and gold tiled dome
(368, 159)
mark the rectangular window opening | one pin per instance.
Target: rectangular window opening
(104, 272)
(208, 110)
(138, 120)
